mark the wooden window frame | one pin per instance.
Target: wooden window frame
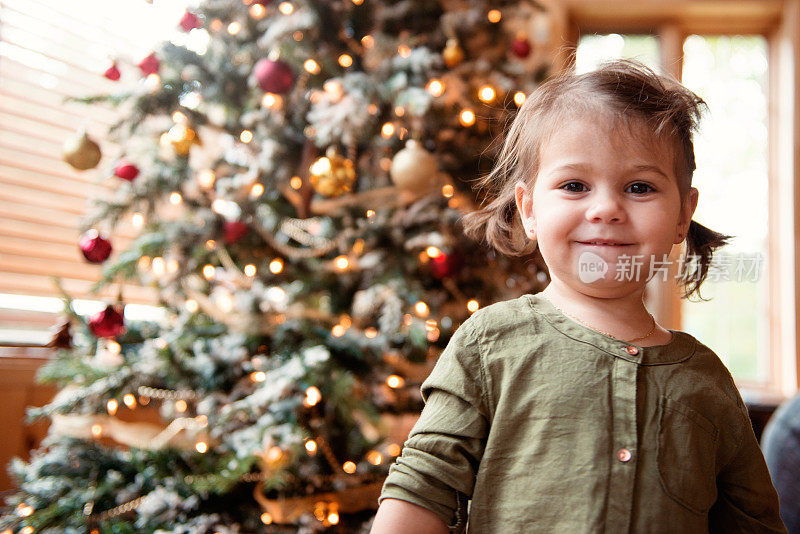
(779, 22)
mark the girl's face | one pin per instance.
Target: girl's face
(605, 205)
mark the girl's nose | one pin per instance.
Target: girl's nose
(605, 207)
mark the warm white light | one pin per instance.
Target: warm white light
(276, 266)
(494, 16)
(250, 269)
(519, 98)
(191, 305)
(487, 93)
(374, 457)
(257, 11)
(180, 406)
(338, 330)
(112, 406)
(368, 41)
(97, 430)
(421, 308)
(257, 190)
(206, 178)
(266, 518)
(448, 190)
(258, 376)
(311, 446)
(313, 396)
(246, 136)
(435, 87)
(208, 272)
(404, 50)
(296, 182)
(137, 220)
(286, 8)
(395, 381)
(341, 263)
(201, 447)
(345, 60)
(129, 400)
(433, 252)
(158, 266)
(467, 117)
(234, 28)
(349, 467)
(311, 66)
(271, 101)
(175, 198)
(387, 130)
(473, 305)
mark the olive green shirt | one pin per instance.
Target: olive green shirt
(545, 425)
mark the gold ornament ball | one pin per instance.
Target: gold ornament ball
(332, 174)
(81, 152)
(452, 54)
(414, 169)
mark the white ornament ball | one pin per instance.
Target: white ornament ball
(414, 169)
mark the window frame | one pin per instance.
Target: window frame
(779, 22)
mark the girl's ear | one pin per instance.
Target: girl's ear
(687, 212)
(524, 200)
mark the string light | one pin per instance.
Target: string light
(234, 27)
(201, 447)
(435, 87)
(296, 182)
(191, 305)
(173, 266)
(274, 454)
(208, 272)
(311, 447)
(494, 16)
(341, 263)
(180, 405)
(286, 8)
(368, 41)
(246, 136)
(358, 2)
(266, 518)
(257, 11)
(26, 530)
(158, 266)
(175, 198)
(338, 330)
(97, 430)
(393, 449)
(23, 510)
(250, 269)
(206, 178)
(129, 400)
(447, 190)
(113, 347)
(271, 101)
(258, 376)
(137, 220)
(371, 332)
(487, 93)
(433, 252)
(311, 66)
(333, 518)
(395, 381)
(421, 308)
(112, 406)
(404, 50)
(374, 457)
(349, 467)
(473, 305)
(276, 266)
(519, 98)
(211, 244)
(345, 60)
(399, 111)
(387, 130)
(467, 117)
(297, 36)
(313, 396)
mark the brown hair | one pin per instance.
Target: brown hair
(627, 93)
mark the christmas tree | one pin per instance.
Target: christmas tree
(299, 177)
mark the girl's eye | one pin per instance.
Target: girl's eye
(642, 188)
(573, 187)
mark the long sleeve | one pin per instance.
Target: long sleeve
(440, 459)
(746, 499)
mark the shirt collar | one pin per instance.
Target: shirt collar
(681, 347)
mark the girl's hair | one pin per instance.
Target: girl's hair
(625, 93)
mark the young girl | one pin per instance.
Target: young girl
(572, 410)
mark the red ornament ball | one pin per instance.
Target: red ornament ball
(109, 323)
(95, 247)
(190, 21)
(234, 231)
(150, 64)
(126, 170)
(445, 265)
(521, 47)
(273, 76)
(112, 72)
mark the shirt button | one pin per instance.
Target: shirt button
(633, 351)
(623, 455)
